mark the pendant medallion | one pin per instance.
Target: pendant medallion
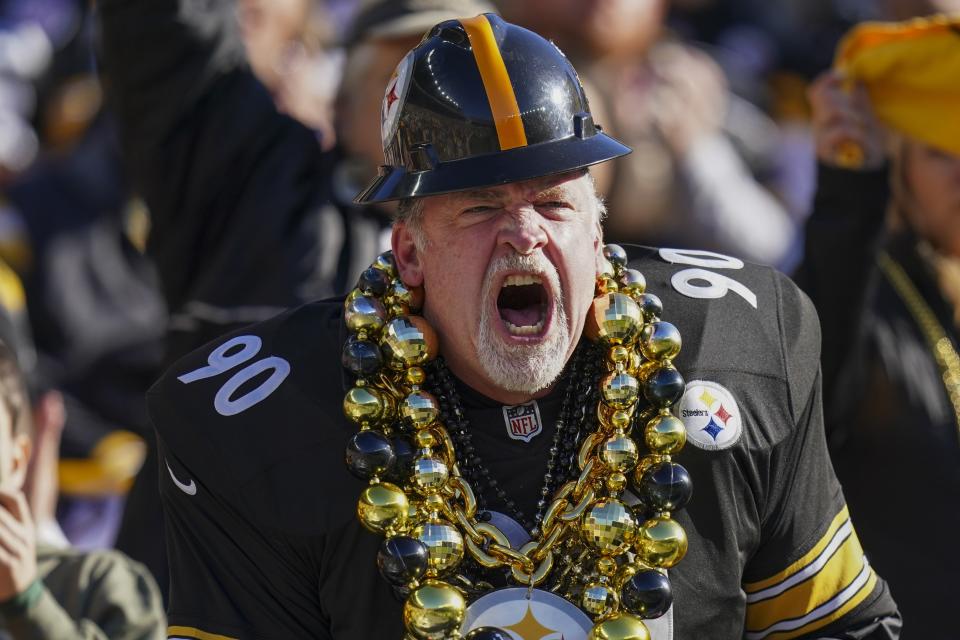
(528, 615)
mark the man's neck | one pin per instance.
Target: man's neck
(482, 385)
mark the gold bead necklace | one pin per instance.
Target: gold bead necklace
(605, 555)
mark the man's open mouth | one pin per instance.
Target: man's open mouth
(522, 304)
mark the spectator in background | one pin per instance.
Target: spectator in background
(686, 184)
(48, 590)
(882, 266)
(66, 226)
(288, 46)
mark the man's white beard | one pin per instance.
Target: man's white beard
(527, 368)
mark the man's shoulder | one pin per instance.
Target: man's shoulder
(747, 330)
(257, 396)
(714, 293)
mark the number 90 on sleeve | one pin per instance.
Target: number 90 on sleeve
(229, 356)
(698, 282)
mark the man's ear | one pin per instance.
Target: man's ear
(598, 246)
(22, 448)
(406, 255)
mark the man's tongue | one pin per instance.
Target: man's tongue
(524, 317)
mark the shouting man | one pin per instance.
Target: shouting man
(509, 395)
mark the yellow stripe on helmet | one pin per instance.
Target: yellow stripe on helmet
(496, 82)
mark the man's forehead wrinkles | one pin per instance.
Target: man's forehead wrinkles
(539, 188)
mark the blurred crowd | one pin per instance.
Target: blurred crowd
(135, 226)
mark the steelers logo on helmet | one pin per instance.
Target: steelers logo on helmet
(393, 99)
(711, 415)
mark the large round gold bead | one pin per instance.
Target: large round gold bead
(364, 313)
(661, 542)
(408, 341)
(614, 319)
(608, 526)
(599, 599)
(434, 611)
(660, 341)
(364, 405)
(419, 409)
(619, 452)
(429, 475)
(620, 390)
(621, 626)
(665, 434)
(632, 282)
(444, 546)
(382, 507)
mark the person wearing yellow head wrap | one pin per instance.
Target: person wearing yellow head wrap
(911, 73)
(882, 265)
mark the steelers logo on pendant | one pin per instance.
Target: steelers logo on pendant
(711, 415)
(394, 97)
(528, 615)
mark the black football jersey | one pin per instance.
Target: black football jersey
(262, 531)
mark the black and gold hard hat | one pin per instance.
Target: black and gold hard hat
(482, 102)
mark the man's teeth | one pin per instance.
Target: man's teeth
(528, 330)
(521, 279)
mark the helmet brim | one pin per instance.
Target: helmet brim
(503, 167)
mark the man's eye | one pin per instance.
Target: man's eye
(554, 204)
(482, 208)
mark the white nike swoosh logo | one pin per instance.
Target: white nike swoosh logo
(190, 488)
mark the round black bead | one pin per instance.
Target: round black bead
(665, 487)
(360, 357)
(402, 559)
(647, 594)
(404, 453)
(373, 282)
(369, 453)
(663, 387)
(488, 633)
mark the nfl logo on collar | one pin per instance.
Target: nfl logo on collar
(523, 421)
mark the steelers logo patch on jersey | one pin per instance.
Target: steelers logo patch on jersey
(711, 415)
(393, 98)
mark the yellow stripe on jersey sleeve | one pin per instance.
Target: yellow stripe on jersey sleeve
(191, 633)
(828, 582)
(838, 521)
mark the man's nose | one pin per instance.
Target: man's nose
(523, 230)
